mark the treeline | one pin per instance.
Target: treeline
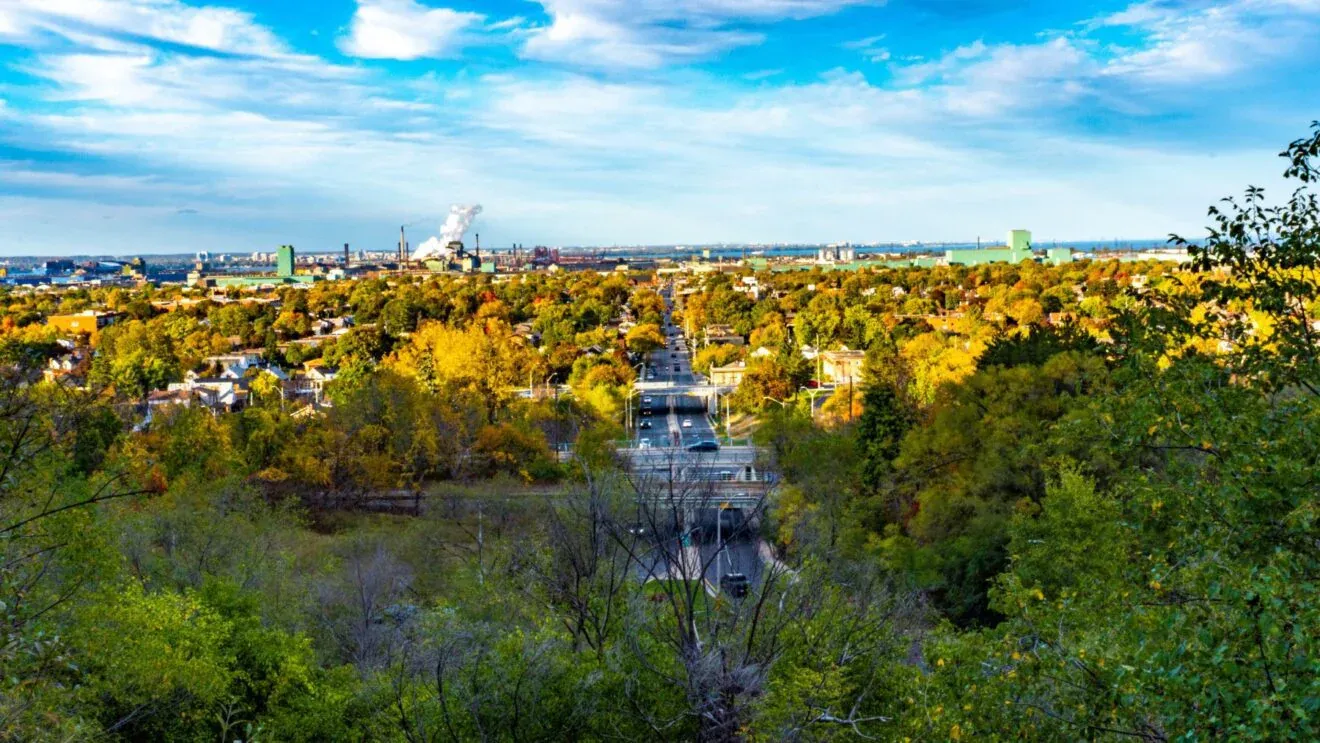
(1020, 530)
(1116, 528)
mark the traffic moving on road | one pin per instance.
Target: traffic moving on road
(671, 420)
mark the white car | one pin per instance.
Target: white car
(644, 444)
(687, 424)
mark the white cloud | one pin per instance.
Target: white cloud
(107, 23)
(19, 173)
(650, 33)
(680, 156)
(1186, 44)
(991, 81)
(146, 79)
(404, 29)
(870, 48)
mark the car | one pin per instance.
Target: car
(643, 443)
(734, 584)
(677, 368)
(646, 411)
(687, 423)
(637, 529)
(646, 401)
(706, 445)
(644, 424)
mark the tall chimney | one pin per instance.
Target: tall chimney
(403, 245)
(478, 244)
(345, 255)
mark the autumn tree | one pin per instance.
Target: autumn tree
(645, 338)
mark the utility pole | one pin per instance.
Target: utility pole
(850, 397)
(727, 435)
(819, 372)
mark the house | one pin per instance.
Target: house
(314, 380)
(234, 364)
(164, 398)
(843, 366)
(750, 286)
(730, 375)
(89, 323)
(220, 394)
(524, 330)
(723, 334)
(71, 366)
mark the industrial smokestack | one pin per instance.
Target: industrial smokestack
(403, 246)
(460, 218)
(345, 255)
(477, 247)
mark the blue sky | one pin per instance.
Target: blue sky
(234, 125)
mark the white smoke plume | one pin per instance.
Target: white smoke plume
(456, 225)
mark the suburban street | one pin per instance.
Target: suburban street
(724, 480)
(673, 420)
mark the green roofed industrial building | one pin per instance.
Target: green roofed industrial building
(285, 258)
(1017, 250)
(284, 261)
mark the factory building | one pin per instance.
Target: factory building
(844, 253)
(284, 259)
(1018, 249)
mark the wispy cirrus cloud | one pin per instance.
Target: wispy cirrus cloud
(651, 33)
(1181, 42)
(110, 24)
(871, 48)
(236, 121)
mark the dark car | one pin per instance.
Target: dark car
(734, 584)
(644, 424)
(704, 446)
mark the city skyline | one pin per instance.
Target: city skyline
(149, 126)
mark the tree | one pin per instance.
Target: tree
(1265, 259)
(959, 478)
(885, 420)
(645, 338)
(719, 354)
(1036, 346)
(487, 362)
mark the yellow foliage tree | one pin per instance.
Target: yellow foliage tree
(487, 361)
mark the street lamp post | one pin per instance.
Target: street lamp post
(627, 415)
(812, 393)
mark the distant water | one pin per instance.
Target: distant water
(786, 251)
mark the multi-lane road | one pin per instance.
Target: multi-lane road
(668, 420)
